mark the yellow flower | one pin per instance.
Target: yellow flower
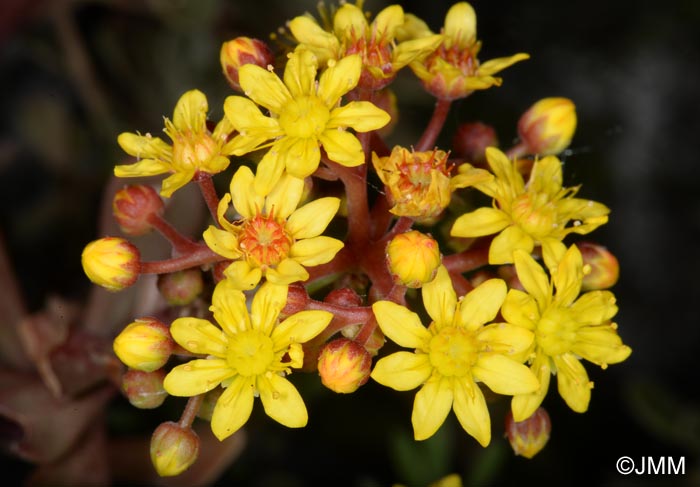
(565, 328)
(382, 56)
(419, 183)
(194, 150)
(248, 355)
(304, 114)
(453, 71)
(454, 353)
(540, 212)
(273, 239)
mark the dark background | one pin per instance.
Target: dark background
(73, 74)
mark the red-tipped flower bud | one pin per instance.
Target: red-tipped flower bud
(601, 268)
(133, 207)
(111, 262)
(240, 51)
(471, 140)
(181, 287)
(529, 437)
(344, 365)
(173, 449)
(144, 345)
(144, 390)
(343, 297)
(548, 126)
(297, 300)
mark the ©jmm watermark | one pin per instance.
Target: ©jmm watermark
(651, 465)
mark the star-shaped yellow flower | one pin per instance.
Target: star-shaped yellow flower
(453, 70)
(249, 354)
(273, 238)
(566, 327)
(382, 56)
(194, 150)
(454, 353)
(540, 212)
(304, 114)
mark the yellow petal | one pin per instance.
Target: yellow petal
(245, 200)
(286, 272)
(282, 401)
(285, 196)
(503, 169)
(307, 31)
(230, 307)
(300, 156)
(401, 325)
(190, 113)
(480, 222)
(431, 406)
(263, 87)
(481, 304)
(221, 214)
(524, 405)
(413, 27)
(503, 375)
(315, 251)
(440, 299)
(197, 377)
(362, 116)
(600, 345)
(300, 328)
(312, 219)
(145, 147)
(470, 176)
(594, 308)
(402, 371)
(546, 176)
(339, 78)
(509, 340)
(568, 278)
(233, 408)
(460, 25)
(470, 408)
(142, 168)
(533, 278)
(254, 127)
(553, 251)
(572, 382)
(493, 66)
(520, 309)
(269, 170)
(199, 336)
(387, 21)
(414, 50)
(266, 306)
(175, 181)
(510, 239)
(242, 276)
(300, 73)
(342, 147)
(222, 242)
(349, 21)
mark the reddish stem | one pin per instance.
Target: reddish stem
(467, 260)
(516, 151)
(180, 243)
(201, 256)
(461, 285)
(191, 410)
(206, 185)
(380, 216)
(437, 121)
(355, 181)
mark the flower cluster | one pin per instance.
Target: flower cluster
(304, 266)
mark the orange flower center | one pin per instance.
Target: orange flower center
(193, 150)
(376, 53)
(535, 214)
(264, 241)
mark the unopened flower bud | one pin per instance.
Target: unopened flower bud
(144, 345)
(240, 51)
(111, 262)
(601, 268)
(182, 287)
(344, 365)
(173, 449)
(529, 437)
(134, 206)
(471, 140)
(297, 300)
(343, 297)
(144, 390)
(413, 258)
(548, 126)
